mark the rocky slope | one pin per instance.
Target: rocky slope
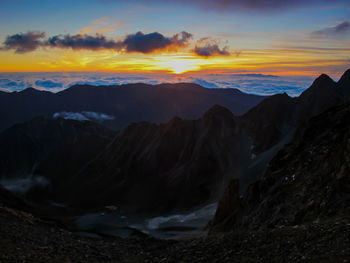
(123, 104)
(307, 180)
(26, 238)
(280, 115)
(277, 119)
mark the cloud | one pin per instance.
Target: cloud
(48, 84)
(147, 43)
(250, 5)
(133, 43)
(82, 42)
(338, 30)
(207, 47)
(24, 42)
(211, 50)
(100, 26)
(24, 184)
(246, 82)
(83, 116)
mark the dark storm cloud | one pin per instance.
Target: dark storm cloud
(210, 50)
(23, 42)
(338, 30)
(133, 43)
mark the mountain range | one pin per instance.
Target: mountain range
(179, 164)
(117, 106)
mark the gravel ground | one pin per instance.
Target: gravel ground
(24, 238)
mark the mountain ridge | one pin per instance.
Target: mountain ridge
(125, 103)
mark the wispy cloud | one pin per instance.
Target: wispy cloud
(338, 30)
(251, 5)
(207, 47)
(100, 26)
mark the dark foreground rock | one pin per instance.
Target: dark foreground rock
(25, 238)
(307, 180)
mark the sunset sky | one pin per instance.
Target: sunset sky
(173, 37)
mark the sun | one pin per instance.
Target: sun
(179, 65)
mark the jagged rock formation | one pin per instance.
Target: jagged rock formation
(179, 164)
(280, 115)
(125, 103)
(279, 118)
(307, 180)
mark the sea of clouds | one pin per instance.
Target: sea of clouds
(249, 83)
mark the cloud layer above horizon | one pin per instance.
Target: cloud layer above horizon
(250, 83)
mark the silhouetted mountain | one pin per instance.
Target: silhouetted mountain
(179, 164)
(125, 103)
(280, 115)
(270, 120)
(307, 180)
(343, 84)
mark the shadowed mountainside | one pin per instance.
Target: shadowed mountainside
(279, 118)
(179, 164)
(53, 149)
(307, 180)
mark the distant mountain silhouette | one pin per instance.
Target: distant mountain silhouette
(126, 103)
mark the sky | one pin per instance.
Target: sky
(176, 39)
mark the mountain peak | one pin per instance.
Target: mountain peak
(218, 110)
(323, 85)
(345, 77)
(323, 79)
(343, 85)
(29, 90)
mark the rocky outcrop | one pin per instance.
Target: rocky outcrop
(307, 180)
(280, 115)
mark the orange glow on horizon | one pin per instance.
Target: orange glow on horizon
(272, 62)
